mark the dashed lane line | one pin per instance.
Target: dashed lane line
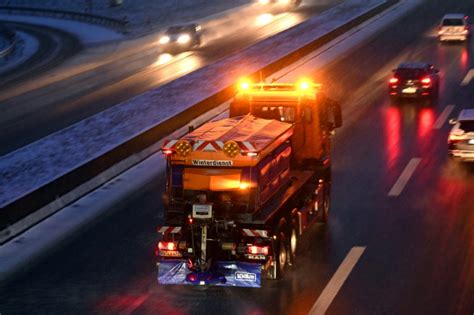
(442, 118)
(332, 288)
(404, 177)
(467, 79)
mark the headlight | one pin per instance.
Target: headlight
(164, 40)
(183, 39)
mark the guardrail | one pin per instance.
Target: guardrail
(95, 166)
(117, 24)
(10, 35)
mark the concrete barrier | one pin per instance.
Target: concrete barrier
(46, 170)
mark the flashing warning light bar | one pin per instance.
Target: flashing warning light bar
(302, 84)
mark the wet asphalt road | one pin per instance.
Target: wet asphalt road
(419, 245)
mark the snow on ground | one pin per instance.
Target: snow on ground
(3, 42)
(25, 47)
(43, 161)
(87, 33)
(144, 16)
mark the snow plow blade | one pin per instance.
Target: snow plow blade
(229, 273)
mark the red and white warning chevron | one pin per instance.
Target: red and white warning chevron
(255, 233)
(210, 146)
(169, 229)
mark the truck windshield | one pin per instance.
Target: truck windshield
(277, 112)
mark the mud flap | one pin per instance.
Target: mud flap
(222, 273)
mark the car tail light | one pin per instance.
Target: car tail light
(393, 80)
(257, 250)
(453, 139)
(466, 30)
(166, 246)
(426, 82)
(440, 30)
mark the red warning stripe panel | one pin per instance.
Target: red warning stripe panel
(210, 146)
(255, 233)
(169, 229)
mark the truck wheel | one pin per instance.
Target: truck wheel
(293, 245)
(280, 258)
(324, 206)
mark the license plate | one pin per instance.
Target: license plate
(470, 141)
(202, 211)
(409, 90)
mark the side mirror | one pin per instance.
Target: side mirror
(453, 121)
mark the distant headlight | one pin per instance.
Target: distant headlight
(164, 40)
(184, 38)
(264, 1)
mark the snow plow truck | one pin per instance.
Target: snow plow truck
(241, 190)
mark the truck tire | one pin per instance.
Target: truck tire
(280, 258)
(292, 244)
(325, 204)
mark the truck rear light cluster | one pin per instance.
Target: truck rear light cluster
(257, 250)
(166, 246)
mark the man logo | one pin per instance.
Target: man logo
(245, 276)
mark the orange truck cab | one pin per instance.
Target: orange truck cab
(304, 105)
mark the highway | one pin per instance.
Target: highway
(32, 109)
(415, 230)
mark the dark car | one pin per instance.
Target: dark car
(414, 80)
(181, 38)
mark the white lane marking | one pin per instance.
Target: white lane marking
(442, 118)
(332, 288)
(467, 79)
(404, 177)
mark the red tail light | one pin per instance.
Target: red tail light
(454, 139)
(166, 246)
(257, 250)
(426, 81)
(393, 80)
